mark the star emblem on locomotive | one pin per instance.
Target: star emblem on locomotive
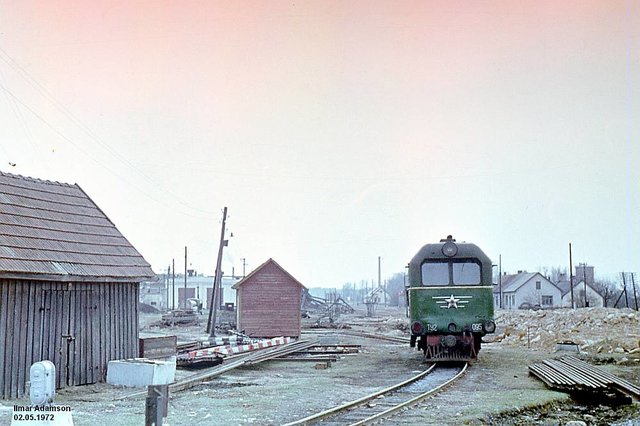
(452, 302)
(449, 302)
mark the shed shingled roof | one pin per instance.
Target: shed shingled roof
(259, 268)
(54, 231)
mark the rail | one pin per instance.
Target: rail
(248, 359)
(395, 339)
(365, 416)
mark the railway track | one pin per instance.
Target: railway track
(395, 339)
(388, 402)
(363, 334)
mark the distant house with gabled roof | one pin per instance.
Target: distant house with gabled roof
(377, 295)
(583, 279)
(527, 290)
(69, 285)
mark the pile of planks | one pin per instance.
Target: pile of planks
(570, 374)
(180, 317)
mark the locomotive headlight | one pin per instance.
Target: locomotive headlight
(489, 326)
(449, 249)
(416, 327)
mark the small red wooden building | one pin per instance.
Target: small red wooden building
(269, 302)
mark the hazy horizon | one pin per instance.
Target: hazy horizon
(336, 131)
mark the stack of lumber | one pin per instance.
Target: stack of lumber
(573, 375)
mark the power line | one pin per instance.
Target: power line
(61, 107)
(63, 136)
(18, 114)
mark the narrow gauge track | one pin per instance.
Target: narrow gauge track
(387, 402)
(363, 334)
(395, 339)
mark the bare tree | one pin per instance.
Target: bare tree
(349, 292)
(608, 289)
(554, 273)
(395, 289)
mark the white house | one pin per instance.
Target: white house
(584, 274)
(170, 293)
(377, 295)
(527, 290)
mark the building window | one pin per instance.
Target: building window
(538, 285)
(547, 300)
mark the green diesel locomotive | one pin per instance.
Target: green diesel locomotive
(450, 300)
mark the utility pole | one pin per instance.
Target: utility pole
(166, 282)
(173, 284)
(244, 265)
(184, 298)
(635, 295)
(215, 296)
(380, 283)
(500, 278)
(624, 287)
(573, 305)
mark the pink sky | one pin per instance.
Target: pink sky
(335, 130)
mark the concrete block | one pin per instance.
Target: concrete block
(141, 372)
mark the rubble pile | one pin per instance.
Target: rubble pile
(395, 326)
(594, 330)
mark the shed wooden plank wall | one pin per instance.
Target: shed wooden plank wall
(269, 304)
(80, 327)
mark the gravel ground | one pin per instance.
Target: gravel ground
(497, 389)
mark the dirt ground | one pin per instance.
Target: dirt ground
(497, 389)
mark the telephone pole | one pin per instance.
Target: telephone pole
(215, 296)
(244, 265)
(380, 283)
(173, 284)
(184, 297)
(573, 305)
(635, 295)
(166, 282)
(500, 278)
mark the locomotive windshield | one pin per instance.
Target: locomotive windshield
(435, 273)
(457, 272)
(466, 273)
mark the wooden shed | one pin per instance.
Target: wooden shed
(69, 284)
(268, 301)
